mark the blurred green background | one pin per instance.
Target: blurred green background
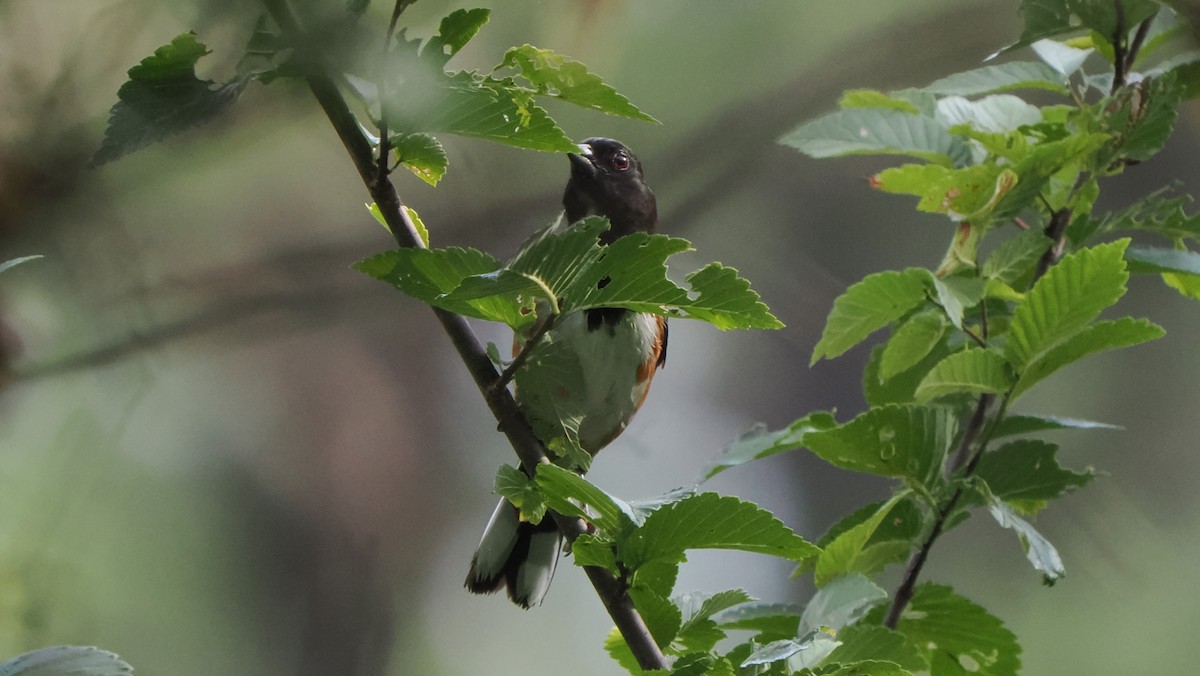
(223, 451)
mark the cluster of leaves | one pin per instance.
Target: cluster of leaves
(971, 336)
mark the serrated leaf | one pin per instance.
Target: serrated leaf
(701, 664)
(429, 274)
(873, 131)
(871, 98)
(590, 550)
(1038, 550)
(696, 606)
(774, 651)
(996, 114)
(901, 388)
(759, 443)
(973, 371)
(1141, 117)
(1000, 78)
(904, 440)
(867, 306)
(455, 31)
(631, 273)
(711, 521)
(1016, 256)
(961, 194)
(841, 556)
(162, 97)
(1028, 470)
(423, 155)
(267, 55)
(1100, 337)
(14, 262)
(840, 603)
(553, 74)
(956, 295)
(1158, 212)
(560, 486)
(1016, 425)
(911, 342)
(521, 491)
(1065, 300)
(956, 635)
(863, 641)
(865, 668)
(904, 522)
(1147, 259)
(66, 659)
(765, 618)
(619, 651)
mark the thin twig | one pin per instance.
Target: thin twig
(1139, 38)
(385, 144)
(529, 448)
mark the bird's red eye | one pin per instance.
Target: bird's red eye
(620, 162)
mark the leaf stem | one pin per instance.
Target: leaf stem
(512, 422)
(507, 375)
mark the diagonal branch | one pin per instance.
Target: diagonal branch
(512, 422)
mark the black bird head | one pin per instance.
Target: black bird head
(606, 180)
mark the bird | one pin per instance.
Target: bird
(618, 352)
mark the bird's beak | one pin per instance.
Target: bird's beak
(581, 164)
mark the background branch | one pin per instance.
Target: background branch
(512, 422)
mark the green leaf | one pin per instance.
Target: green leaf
(867, 306)
(775, 651)
(911, 342)
(997, 113)
(1027, 471)
(267, 55)
(956, 295)
(1017, 425)
(561, 486)
(906, 440)
(1100, 337)
(631, 273)
(66, 659)
(590, 550)
(973, 371)
(871, 98)
(552, 74)
(711, 521)
(1001, 78)
(699, 632)
(423, 155)
(901, 388)
(866, 668)
(956, 635)
(162, 97)
(844, 553)
(1159, 212)
(840, 603)
(1146, 259)
(14, 262)
(961, 194)
(863, 641)
(1038, 550)
(1142, 116)
(765, 618)
(726, 301)
(619, 650)
(455, 31)
(1016, 256)
(520, 490)
(661, 616)
(1063, 58)
(758, 443)
(429, 274)
(873, 131)
(1065, 300)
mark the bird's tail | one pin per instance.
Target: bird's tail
(515, 554)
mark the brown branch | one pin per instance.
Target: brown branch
(513, 424)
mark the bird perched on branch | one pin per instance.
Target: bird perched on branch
(618, 352)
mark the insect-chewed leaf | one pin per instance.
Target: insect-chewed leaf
(1027, 471)
(454, 32)
(162, 97)
(955, 634)
(863, 641)
(867, 306)
(555, 75)
(875, 131)
(1066, 299)
(711, 521)
(423, 155)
